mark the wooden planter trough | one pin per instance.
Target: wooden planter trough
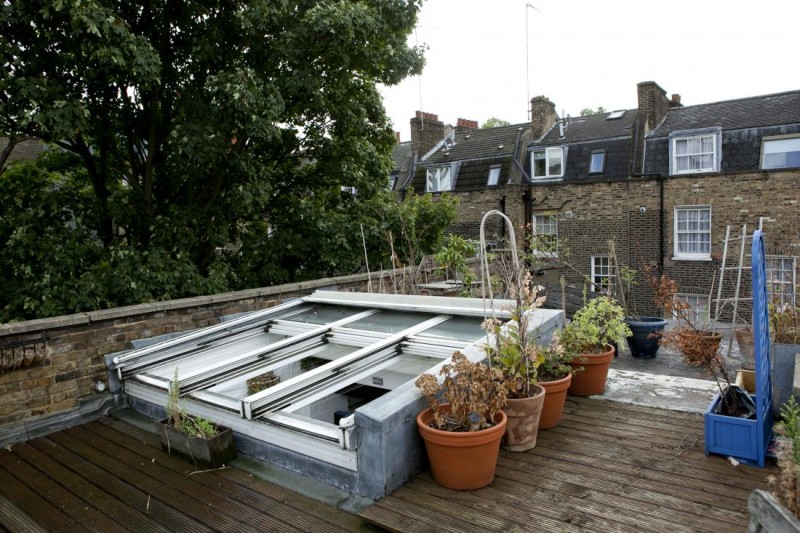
(730, 435)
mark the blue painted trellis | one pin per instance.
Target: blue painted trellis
(762, 359)
(748, 439)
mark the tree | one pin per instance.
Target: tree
(494, 122)
(586, 111)
(198, 124)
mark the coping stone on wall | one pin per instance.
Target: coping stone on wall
(13, 328)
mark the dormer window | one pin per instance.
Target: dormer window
(780, 152)
(438, 179)
(598, 162)
(548, 163)
(494, 176)
(693, 154)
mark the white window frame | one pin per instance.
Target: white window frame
(688, 137)
(558, 152)
(598, 285)
(676, 233)
(699, 311)
(782, 278)
(602, 154)
(439, 179)
(543, 221)
(768, 148)
(493, 179)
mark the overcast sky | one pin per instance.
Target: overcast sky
(590, 53)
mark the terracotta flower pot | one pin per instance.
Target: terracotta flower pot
(462, 460)
(554, 399)
(592, 379)
(523, 420)
(747, 346)
(702, 352)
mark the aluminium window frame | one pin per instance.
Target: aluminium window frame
(547, 150)
(435, 173)
(602, 153)
(773, 139)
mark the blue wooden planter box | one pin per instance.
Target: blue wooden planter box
(731, 436)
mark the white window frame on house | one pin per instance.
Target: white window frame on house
(545, 224)
(686, 244)
(782, 278)
(603, 275)
(694, 152)
(439, 179)
(600, 168)
(494, 176)
(549, 154)
(699, 311)
(775, 152)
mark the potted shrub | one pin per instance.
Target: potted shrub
(697, 343)
(645, 330)
(512, 349)
(554, 375)
(588, 338)
(464, 424)
(194, 438)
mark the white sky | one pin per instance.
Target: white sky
(590, 53)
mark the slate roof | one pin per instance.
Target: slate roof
(476, 144)
(753, 112)
(400, 152)
(589, 128)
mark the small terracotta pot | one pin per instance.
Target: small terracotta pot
(523, 420)
(592, 379)
(554, 399)
(462, 460)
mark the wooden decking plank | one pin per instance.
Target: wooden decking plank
(12, 518)
(81, 512)
(550, 479)
(627, 460)
(212, 480)
(687, 456)
(294, 501)
(137, 499)
(635, 428)
(578, 402)
(230, 512)
(422, 517)
(160, 489)
(116, 510)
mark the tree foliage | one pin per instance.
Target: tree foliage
(586, 111)
(211, 140)
(494, 122)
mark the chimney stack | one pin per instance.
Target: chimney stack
(397, 136)
(676, 101)
(464, 124)
(653, 107)
(426, 131)
(543, 116)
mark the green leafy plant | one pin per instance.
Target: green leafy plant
(453, 256)
(177, 418)
(599, 322)
(554, 362)
(474, 392)
(784, 484)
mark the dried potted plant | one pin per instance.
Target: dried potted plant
(464, 424)
(588, 338)
(194, 438)
(697, 342)
(513, 350)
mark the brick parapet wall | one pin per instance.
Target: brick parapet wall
(51, 365)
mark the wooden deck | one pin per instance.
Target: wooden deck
(110, 476)
(607, 467)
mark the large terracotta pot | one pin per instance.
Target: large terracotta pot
(523, 420)
(592, 379)
(554, 398)
(747, 347)
(462, 460)
(702, 353)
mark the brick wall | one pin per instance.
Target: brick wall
(475, 204)
(50, 366)
(602, 211)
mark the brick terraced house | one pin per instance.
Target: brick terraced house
(663, 180)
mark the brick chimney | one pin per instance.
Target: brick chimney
(653, 107)
(543, 116)
(397, 136)
(463, 124)
(676, 101)
(426, 131)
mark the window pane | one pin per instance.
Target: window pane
(539, 164)
(782, 153)
(554, 161)
(494, 176)
(596, 163)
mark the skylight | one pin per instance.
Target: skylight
(615, 114)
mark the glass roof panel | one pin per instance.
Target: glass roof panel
(390, 321)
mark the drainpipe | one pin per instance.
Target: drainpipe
(661, 224)
(503, 211)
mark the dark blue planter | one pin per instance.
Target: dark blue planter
(642, 343)
(731, 436)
